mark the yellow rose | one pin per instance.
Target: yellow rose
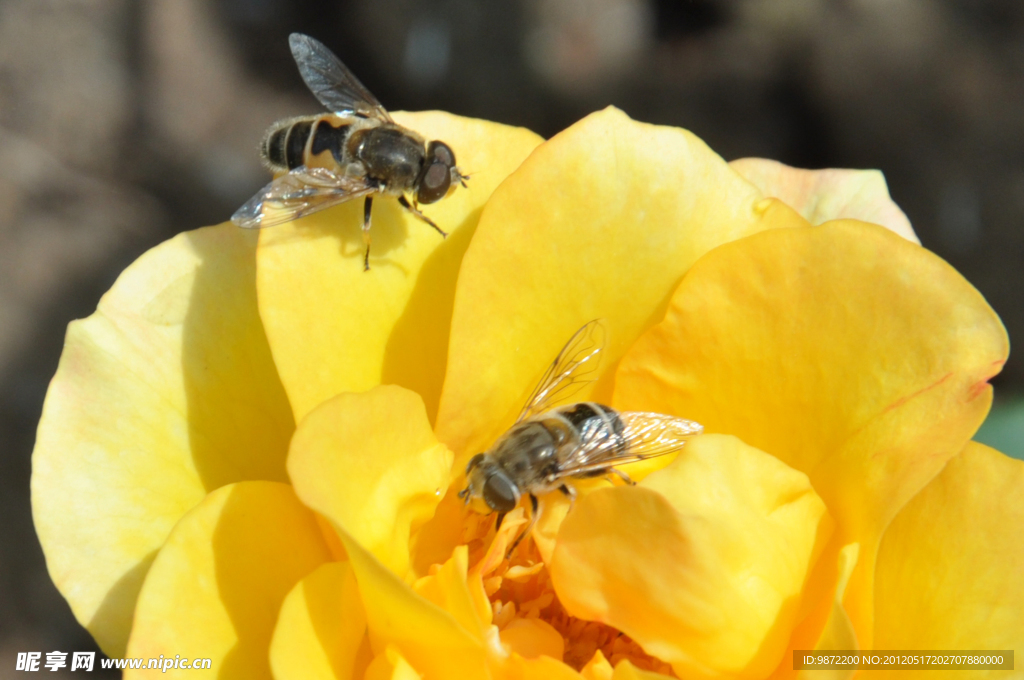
(835, 503)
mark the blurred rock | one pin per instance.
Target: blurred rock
(56, 225)
(202, 112)
(65, 80)
(579, 45)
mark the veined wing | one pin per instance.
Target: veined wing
(297, 193)
(644, 435)
(331, 82)
(569, 372)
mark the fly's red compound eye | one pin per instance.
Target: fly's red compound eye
(437, 173)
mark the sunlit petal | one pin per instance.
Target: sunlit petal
(538, 668)
(391, 665)
(849, 353)
(627, 671)
(601, 221)
(531, 638)
(216, 587)
(430, 638)
(321, 629)
(597, 668)
(370, 464)
(950, 564)
(823, 195)
(727, 534)
(449, 588)
(823, 622)
(335, 328)
(167, 392)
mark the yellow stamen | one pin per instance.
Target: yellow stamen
(519, 587)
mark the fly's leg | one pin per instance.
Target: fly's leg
(497, 524)
(622, 475)
(534, 512)
(415, 211)
(570, 493)
(367, 206)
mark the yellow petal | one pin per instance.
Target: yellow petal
(433, 542)
(216, 587)
(321, 628)
(370, 463)
(823, 195)
(553, 511)
(838, 632)
(950, 565)
(597, 668)
(824, 624)
(167, 392)
(335, 328)
(702, 563)
(599, 222)
(430, 638)
(531, 638)
(849, 353)
(391, 665)
(449, 589)
(539, 668)
(627, 671)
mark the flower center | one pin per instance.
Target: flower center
(519, 587)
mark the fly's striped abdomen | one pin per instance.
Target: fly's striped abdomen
(328, 137)
(284, 146)
(588, 421)
(296, 141)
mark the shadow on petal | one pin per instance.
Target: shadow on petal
(849, 353)
(118, 607)
(600, 221)
(239, 419)
(320, 633)
(416, 355)
(950, 564)
(703, 563)
(331, 325)
(216, 587)
(162, 395)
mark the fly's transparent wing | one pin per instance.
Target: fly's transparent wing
(649, 435)
(573, 368)
(300, 192)
(642, 436)
(331, 82)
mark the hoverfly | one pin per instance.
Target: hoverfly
(549, 445)
(355, 151)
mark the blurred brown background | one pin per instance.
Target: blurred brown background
(123, 123)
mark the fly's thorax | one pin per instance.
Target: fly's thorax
(532, 456)
(390, 154)
(528, 453)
